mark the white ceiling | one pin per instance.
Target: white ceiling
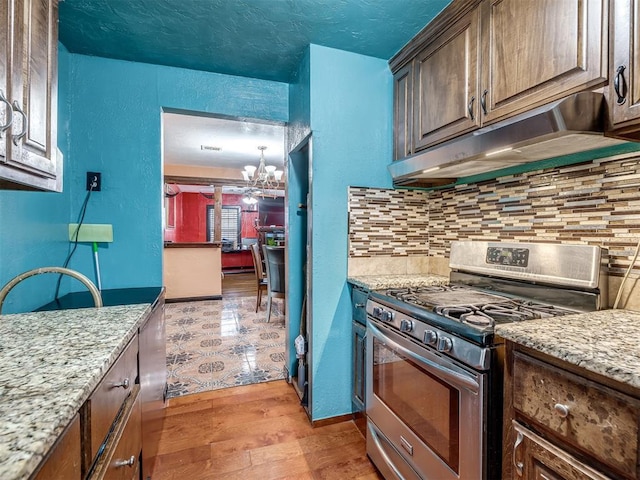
(238, 140)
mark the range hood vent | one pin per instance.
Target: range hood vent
(571, 125)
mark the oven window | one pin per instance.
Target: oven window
(426, 404)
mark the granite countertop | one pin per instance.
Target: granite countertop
(606, 342)
(380, 282)
(51, 362)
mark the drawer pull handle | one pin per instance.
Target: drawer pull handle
(9, 113)
(620, 85)
(519, 465)
(563, 410)
(25, 123)
(125, 463)
(483, 101)
(360, 305)
(124, 384)
(470, 108)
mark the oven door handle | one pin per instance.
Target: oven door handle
(455, 378)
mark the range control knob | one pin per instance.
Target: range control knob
(376, 312)
(386, 316)
(431, 338)
(445, 344)
(406, 325)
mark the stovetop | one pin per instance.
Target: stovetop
(465, 311)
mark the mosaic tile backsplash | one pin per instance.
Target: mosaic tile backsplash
(595, 203)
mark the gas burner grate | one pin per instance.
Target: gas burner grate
(420, 295)
(490, 314)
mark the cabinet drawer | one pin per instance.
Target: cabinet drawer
(595, 419)
(359, 304)
(534, 457)
(121, 458)
(109, 395)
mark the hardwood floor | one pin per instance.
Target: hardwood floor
(256, 432)
(239, 285)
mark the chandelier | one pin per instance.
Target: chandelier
(261, 181)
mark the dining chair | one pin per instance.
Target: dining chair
(274, 262)
(261, 279)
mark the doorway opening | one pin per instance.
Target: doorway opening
(213, 214)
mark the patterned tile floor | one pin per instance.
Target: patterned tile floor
(216, 344)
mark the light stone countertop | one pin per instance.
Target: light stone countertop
(606, 342)
(381, 282)
(50, 364)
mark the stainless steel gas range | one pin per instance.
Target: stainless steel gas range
(434, 366)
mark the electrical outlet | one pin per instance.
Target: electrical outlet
(94, 181)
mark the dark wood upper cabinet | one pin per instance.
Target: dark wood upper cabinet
(479, 62)
(624, 87)
(29, 61)
(446, 83)
(403, 111)
(537, 51)
(6, 113)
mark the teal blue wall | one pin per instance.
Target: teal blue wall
(115, 129)
(351, 120)
(109, 121)
(34, 224)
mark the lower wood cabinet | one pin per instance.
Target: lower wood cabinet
(121, 457)
(104, 404)
(563, 422)
(64, 460)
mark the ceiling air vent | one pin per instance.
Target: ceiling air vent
(210, 148)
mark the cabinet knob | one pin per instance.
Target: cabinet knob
(124, 384)
(9, 113)
(125, 463)
(563, 410)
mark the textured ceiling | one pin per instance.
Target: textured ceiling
(206, 141)
(252, 38)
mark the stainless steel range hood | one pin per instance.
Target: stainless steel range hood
(571, 125)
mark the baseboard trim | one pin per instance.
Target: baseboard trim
(193, 299)
(330, 421)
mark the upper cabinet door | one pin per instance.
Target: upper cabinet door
(6, 113)
(34, 87)
(446, 79)
(624, 86)
(536, 51)
(403, 111)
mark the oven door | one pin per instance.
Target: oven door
(430, 408)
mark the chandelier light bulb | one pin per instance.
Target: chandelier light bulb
(250, 200)
(250, 169)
